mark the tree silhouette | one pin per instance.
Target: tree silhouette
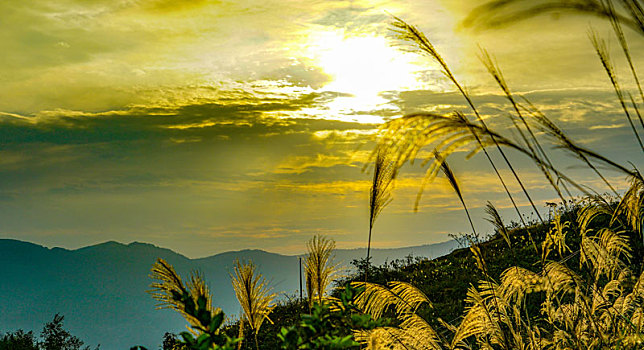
(19, 340)
(56, 338)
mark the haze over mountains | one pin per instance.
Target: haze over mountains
(101, 289)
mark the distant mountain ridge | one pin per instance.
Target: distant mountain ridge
(101, 289)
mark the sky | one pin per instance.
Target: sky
(208, 126)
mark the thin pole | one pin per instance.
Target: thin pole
(301, 279)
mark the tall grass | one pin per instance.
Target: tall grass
(384, 172)
(588, 298)
(186, 298)
(254, 296)
(415, 39)
(319, 268)
(596, 305)
(194, 302)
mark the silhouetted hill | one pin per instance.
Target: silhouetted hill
(101, 289)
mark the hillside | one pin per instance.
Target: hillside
(446, 279)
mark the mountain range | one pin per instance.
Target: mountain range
(101, 289)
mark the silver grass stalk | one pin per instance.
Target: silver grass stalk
(169, 285)
(319, 268)
(451, 178)
(417, 40)
(602, 51)
(384, 173)
(496, 73)
(254, 295)
(495, 219)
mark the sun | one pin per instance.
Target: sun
(363, 66)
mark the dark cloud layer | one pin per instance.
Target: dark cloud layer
(207, 173)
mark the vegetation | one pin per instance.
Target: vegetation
(575, 281)
(194, 302)
(581, 289)
(253, 295)
(52, 337)
(318, 269)
(330, 325)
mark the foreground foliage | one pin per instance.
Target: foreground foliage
(585, 286)
(331, 325)
(587, 298)
(194, 302)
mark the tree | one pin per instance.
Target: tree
(170, 342)
(56, 338)
(19, 340)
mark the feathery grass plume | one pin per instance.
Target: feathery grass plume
(194, 302)
(416, 39)
(602, 51)
(564, 142)
(518, 282)
(384, 173)
(318, 267)
(253, 294)
(486, 319)
(604, 252)
(188, 299)
(590, 212)
(631, 206)
(619, 33)
(451, 178)
(497, 13)
(495, 219)
(404, 299)
(532, 143)
(556, 238)
(392, 338)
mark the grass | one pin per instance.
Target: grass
(318, 268)
(580, 287)
(254, 296)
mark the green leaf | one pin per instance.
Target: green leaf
(216, 322)
(204, 317)
(204, 341)
(201, 302)
(187, 337)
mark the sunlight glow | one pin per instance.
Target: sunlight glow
(364, 67)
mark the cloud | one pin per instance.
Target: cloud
(212, 121)
(103, 55)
